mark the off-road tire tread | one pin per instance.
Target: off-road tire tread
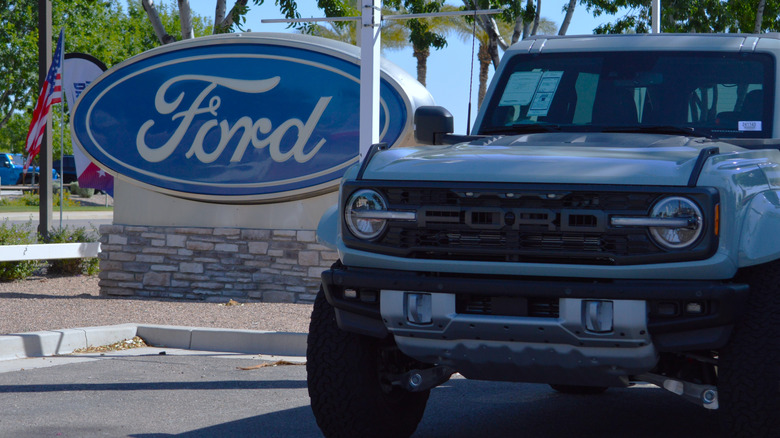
(343, 383)
(749, 366)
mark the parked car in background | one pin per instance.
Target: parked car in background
(68, 169)
(12, 170)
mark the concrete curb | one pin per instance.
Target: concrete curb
(55, 342)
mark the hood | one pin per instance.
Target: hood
(563, 158)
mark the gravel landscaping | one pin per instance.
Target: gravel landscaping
(51, 303)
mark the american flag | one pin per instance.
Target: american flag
(51, 93)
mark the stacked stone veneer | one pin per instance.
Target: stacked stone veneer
(214, 264)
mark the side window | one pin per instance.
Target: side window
(727, 107)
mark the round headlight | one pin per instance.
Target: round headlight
(681, 208)
(357, 214)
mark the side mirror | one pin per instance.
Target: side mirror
(432, 122)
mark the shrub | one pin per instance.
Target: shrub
(66, 201)
(17, 234)
(29, 199)
(81, 192)
(87, 266)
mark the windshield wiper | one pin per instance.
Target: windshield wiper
(659, 129)
(523, 128)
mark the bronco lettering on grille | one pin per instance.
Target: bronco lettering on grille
(514, 218)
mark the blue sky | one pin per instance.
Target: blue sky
(448, 69)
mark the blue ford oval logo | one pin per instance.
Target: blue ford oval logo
(242, 118)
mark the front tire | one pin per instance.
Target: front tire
(749, 365)
(349, 396)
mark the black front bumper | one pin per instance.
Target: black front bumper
(720, 302)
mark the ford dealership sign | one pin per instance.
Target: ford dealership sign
(238, 118)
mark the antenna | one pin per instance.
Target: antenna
(471, 73)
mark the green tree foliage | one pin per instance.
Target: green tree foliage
(109, 30)
(701, 16)
(18, 56)
(14, 133)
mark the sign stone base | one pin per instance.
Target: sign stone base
(212, 264)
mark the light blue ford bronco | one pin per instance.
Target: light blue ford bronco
(613, 218)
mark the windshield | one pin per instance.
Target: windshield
(721, 95)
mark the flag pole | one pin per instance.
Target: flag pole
(62, 128)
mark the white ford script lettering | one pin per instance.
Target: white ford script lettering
(251, 129)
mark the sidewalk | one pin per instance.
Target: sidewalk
(61, 342)
(44, 316)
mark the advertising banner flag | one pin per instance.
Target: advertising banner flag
(51, 93)
(80, 70)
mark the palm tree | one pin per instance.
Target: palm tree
(420, 34)
(394, 35)
(424, 33)
(466, 31)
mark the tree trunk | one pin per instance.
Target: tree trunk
(224, 25)
(536, 17)
(185, 17)
(157, 25)
(10, 112)
(484, 66)
(527, 24)
(422, 63)
(219, 15)
(488, 24)
(493, 51)
(567, 18)
(518, 30)
(759, 16)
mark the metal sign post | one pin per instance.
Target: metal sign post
(655, 25)
(370, 44)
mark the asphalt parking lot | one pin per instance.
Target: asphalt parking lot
(162, 392)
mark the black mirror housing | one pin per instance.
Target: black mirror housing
(431, 122)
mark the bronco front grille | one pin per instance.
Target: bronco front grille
(522, 223)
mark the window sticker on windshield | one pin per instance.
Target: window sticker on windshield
(545, 92)
(749, 126)
(520, 88)
(541, 104)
